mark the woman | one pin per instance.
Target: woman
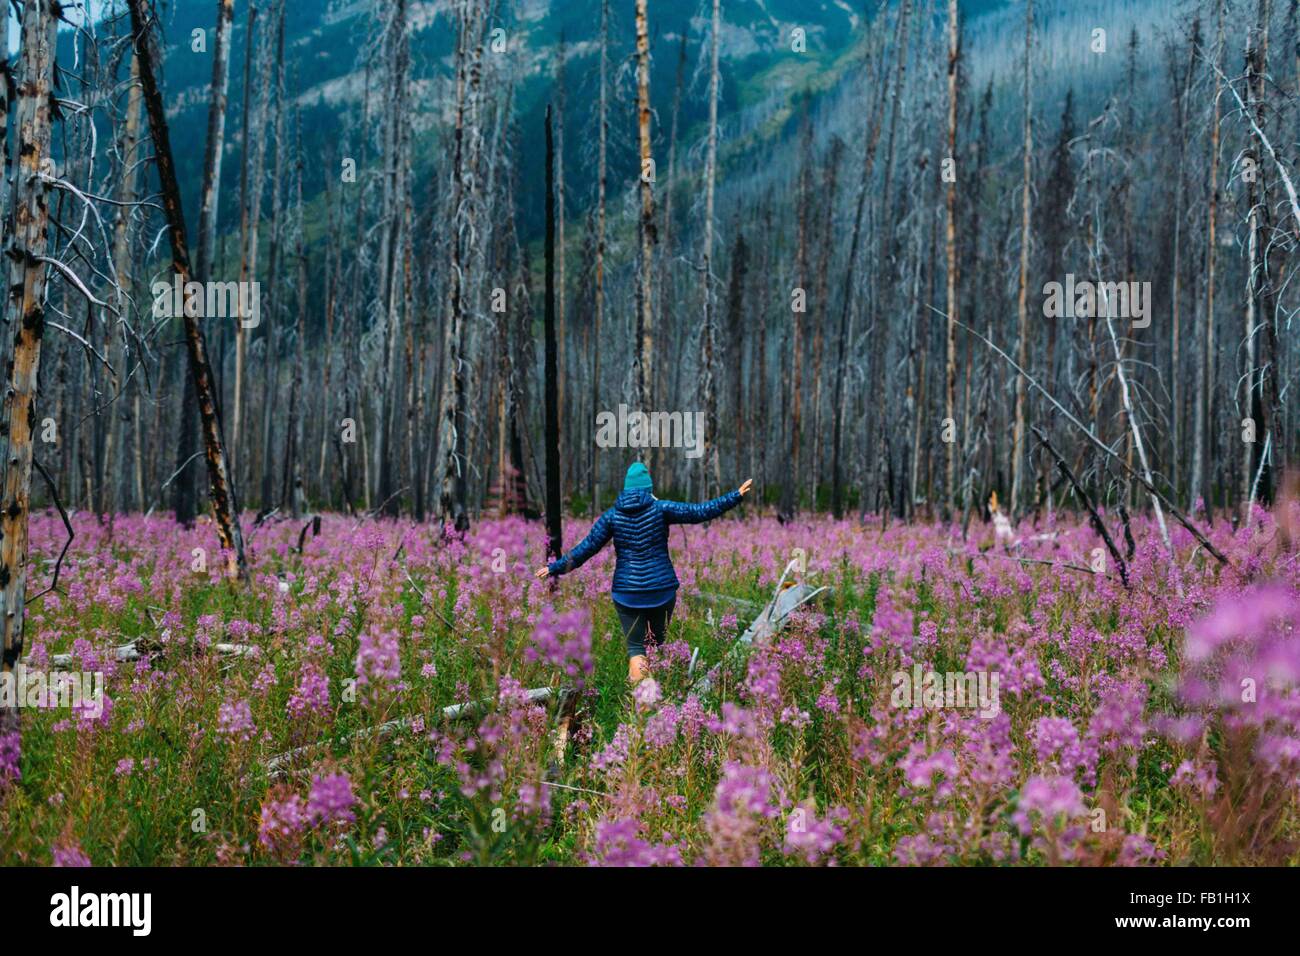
(645, 584)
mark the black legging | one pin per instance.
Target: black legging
(644, 625)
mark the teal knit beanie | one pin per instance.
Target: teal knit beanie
(638, 477)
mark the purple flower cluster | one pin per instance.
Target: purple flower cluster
(280, 826)
(379, 663)
(564, 641)
(69, 854)
(618, 844)
(235, 720)
(331, 800)
(742, 805)
(10, 754)
(312, 695)
(810, 837)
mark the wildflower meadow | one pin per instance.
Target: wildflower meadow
(311, 717)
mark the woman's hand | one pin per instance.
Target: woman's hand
(746, 486)
(542, 573)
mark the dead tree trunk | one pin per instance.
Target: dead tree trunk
(225, 508)
(115, 450)
(735, 326)
(293, 435)
(185, 483)
(397, 48)
(950, 246)
(1206, 358)
(452, 413)
(666, 294)
(215, 143)
(1022, 302)
(554, 543)
(790, 488)
(645, 307)
(845, 335)
(1262, 405)
(561, 306)
(712, 470)
(250, 204)
(25, 318)
(598, 309)
(1176, 392)
(275, 253)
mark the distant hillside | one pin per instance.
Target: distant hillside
(762, 80)
(324, 49)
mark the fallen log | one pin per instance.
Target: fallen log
(277, 765)
(786, 599)
(957, 552)
(714, 598)
(132, 652)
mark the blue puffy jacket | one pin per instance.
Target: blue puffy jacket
(638, 523)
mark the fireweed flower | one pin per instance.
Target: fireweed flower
(378, 664)
(1139, 851)
(618, 844)
(1117, 722)
(280, 826)
(738, 722)
(693, 718)
(742, 804)
(920, 849)
(646, 693)
(1052, 797)
(1240, 682)
(795, 718)
(1247, 618)
(266, 679)
(827, 700)
(762, 689)
(331, 800)
(811, 838)
(672, 654)
(1057, 747)
(235, 720)
(1186, 730)
(93, 715)
(661, 729)
(10, 752)
(501, 761)
(1201, 779)
(312, 695)
(919, 769)
(616, 751)
(69, 854)
(564, 641)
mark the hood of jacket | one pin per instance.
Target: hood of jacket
(633, 502)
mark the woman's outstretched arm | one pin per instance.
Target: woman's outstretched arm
(681, 512)
(585, 550)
